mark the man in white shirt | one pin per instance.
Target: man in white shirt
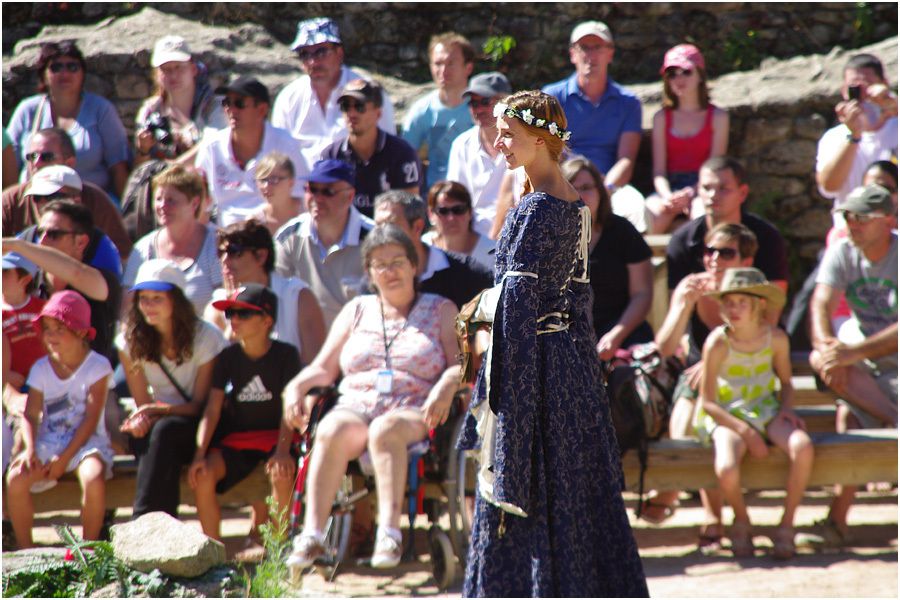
(474, 162)
(228, 157)
(866, 132)
(322, 247)
(308, 106)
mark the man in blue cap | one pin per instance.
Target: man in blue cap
(322, 246)
(308, 106)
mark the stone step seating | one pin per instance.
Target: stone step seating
(856, 457)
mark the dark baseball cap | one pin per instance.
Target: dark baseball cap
(488, 85)
(362, 90)
(246, 86)
(872, 198)
(252, 296)
(331, 170)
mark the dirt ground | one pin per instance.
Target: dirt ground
(867, 568)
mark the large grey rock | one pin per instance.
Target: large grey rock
(159, 541)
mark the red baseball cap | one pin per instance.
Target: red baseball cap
(71, 309)
(683, 56)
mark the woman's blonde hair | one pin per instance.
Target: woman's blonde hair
(272, 161)
(186, 180)
(542, 106)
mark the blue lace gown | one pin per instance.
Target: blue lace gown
(555, 455)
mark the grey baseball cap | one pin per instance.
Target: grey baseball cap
(488, 84)
(872, 198)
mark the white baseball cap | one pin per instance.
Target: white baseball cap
(598, 28)
(159, 275)
(51, 179)
(171, 48)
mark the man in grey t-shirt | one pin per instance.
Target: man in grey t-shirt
(859, 362)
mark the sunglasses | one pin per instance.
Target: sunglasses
(852, 217)
(234, 250)
(327, 192)
(725, 253)
(238, 103)
(356, 105)
(241, 313)
(54, 234)
(314, 54)
(59, 67)
(42, 156)
(673, 72)
(456, 209)
(476, 102)
(271, 179)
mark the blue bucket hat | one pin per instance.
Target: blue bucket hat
(331, 170)
(13, 260)
(316, 31)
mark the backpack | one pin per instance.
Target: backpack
(640, 388)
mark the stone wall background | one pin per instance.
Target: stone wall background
(778, 110)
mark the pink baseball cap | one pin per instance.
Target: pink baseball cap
(683, 56)
(71, 309)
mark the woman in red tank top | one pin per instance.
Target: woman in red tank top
(687, 131)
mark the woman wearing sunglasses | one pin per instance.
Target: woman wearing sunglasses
(450, 213)
(101, 146)
(686, 132)
(168, 354)
(179, 200)
(171, 121)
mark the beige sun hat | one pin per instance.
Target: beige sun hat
(750, 281)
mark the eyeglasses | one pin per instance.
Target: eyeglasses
(233, 250)
(852, 217)
(476, 102)
(346, 105)
(382, 268)
(327, 192)
(54, 234)
(42, 156)
(59, 67)
(241, 313)
(271, 179)
(724, 253)
(316, 54)
(51, 197)
(238, 103)
(456, 209)
(673, 72)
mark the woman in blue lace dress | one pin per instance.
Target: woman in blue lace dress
(549, 516)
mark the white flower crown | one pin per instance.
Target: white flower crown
(501, 109)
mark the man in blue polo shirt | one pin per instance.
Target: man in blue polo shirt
(604, 118)
(382, 161)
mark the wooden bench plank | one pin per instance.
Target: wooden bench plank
(806, 393)
(857, 457)
(818, 418)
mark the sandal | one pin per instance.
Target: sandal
(783, 541)
(741, 539)
(709, 543)
(663, 514)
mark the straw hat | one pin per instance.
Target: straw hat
(750, 281)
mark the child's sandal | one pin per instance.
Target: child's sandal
(783, 542)
(741, 540)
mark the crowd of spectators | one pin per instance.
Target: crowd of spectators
(233, 218)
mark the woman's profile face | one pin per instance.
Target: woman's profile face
(176, 75)
(63, 74)
(277, 185)
(156, 307)
(518, 146)
(584, 184)
(390, 268)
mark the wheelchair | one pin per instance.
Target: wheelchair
(434, 473)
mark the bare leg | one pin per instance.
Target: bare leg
(340, 437)
(91, 473)
(729, 451)
(19, 504)
(799, 448)
(208, 510)
(862, 390)
(681, 427)
(282, 491)
(389, 436)
(844, 494)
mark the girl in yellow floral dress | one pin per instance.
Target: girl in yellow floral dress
(743, 406)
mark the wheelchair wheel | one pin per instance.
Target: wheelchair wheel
(337, 540)
(462, 468)
(443, 560)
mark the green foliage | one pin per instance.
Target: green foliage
(863, 24)
(496, 47)
(741, 53)
(43, 579)
(269, 580)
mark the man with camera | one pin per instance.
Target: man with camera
(866, 132)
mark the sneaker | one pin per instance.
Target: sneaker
(307, 550)
(387, 553)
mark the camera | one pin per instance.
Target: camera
(854, 92)
(161, 128)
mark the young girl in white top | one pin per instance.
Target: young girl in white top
(741, 408)
(69, 387)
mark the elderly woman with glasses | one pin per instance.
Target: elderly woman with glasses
(396, 350)
(450, 213)
(179, 198)
(101, 146)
